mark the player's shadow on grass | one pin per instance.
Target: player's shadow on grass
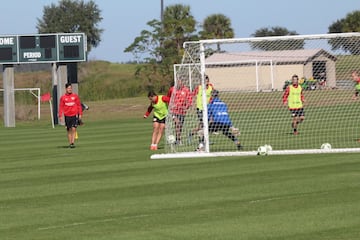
(67, 146)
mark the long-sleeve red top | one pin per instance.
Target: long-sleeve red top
(181, 100)
(70, 105)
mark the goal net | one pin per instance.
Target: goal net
(251, 76)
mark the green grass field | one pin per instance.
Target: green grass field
(108, 188)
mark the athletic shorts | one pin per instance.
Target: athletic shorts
(155, 119)
(199, 115)
(180, 117)
(71, 122)
(357, 91)
(215, 127)
(297, 112)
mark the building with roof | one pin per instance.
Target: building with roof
(268, 70)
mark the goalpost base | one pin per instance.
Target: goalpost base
(251, 153)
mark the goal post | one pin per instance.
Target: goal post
(251, 75)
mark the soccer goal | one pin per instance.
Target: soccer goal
(251, 75)
(27, 106)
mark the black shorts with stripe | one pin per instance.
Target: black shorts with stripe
(297, 112)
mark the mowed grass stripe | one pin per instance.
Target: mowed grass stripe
(107, 188)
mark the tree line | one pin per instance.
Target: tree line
(160, 47)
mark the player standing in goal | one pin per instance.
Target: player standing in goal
(160, 105)
(199, 106)
(219, 120)
(180, 103)
(293, 98)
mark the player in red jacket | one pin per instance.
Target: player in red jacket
(181, 99)
(70, 107)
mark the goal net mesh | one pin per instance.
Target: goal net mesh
(251, 76)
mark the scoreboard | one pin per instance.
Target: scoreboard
(42, 48)
(8, 49)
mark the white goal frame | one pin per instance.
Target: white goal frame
(199, 63)
(33, 91)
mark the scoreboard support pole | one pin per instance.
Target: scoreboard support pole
(9, 95)
(60, 78)
(54, 92)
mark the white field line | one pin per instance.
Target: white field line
(90, 222)
(288, 197)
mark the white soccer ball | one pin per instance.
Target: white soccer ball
(325, 146)
(171, 139)
(268, 147)
(262, 150)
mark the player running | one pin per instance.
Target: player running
(356, 79)
(293, 98)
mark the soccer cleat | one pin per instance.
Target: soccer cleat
(72, 146)
(153, 147)
(200, 148)
(239, 146)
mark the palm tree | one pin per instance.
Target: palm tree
(217, 26)
(178, 24)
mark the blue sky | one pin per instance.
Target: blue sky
(124, 20)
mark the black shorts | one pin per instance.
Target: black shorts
(297, 112)
(216, 127)
(155, 119)
(199, 115)
(71, 122)
(180, 117)
(357, 91)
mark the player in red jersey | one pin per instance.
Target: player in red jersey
(181, 99)
(70, 107)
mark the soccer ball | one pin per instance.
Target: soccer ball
(171, 139)
(262, 150)
(326, 146)
(268, 147)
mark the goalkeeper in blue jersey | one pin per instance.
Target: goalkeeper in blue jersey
(219, 119)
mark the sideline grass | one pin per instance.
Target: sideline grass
(107, 188)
